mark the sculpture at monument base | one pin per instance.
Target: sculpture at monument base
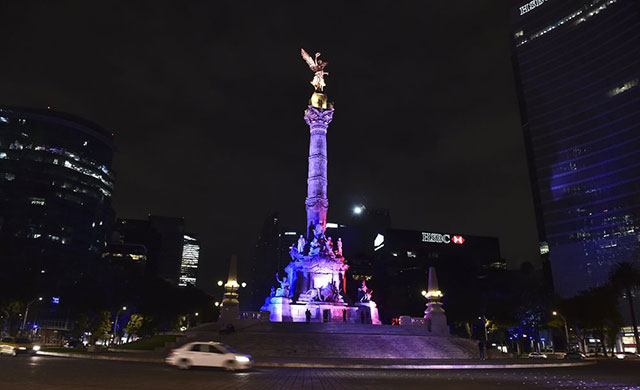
(316, 282)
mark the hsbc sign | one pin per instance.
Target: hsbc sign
(530, 5)
(440, 238)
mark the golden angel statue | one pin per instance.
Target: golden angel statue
(317, 66)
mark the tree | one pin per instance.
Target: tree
(101, 326)
(81, 324)
(595, 312)
(624, 278)
(134, 324)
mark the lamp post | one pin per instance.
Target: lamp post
(484, 326)
(26, 313)
(115, 323)
(566, 329)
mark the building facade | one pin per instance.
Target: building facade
(402, 259)
(170, 253)
(577, 65)
(56, 185)
(189, 263)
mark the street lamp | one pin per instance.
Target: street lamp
(26, 312)
(566, 329)
(484, 325)
(220, 283)
(115, 323)
(358, 209)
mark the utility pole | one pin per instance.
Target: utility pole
(26, 313)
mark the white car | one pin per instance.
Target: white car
(537, 355)
(208, 354)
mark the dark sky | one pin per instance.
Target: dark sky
(206, 102)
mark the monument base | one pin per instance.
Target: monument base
(282, 310)
(370, 310)
(436, 322)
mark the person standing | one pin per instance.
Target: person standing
(481, 349)
(344, 315)
(307, 314)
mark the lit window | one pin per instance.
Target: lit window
(585, 13)
(624, 87)
(411, 254)
(544, 248)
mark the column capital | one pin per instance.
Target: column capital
(318, 116)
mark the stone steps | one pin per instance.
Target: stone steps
(341, 341)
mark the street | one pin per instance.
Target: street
(43, 372)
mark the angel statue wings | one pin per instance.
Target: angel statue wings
(317, 66)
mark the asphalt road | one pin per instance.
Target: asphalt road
(42, 372)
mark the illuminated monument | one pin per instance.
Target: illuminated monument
(316, 276)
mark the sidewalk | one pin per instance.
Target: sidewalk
(385, 364)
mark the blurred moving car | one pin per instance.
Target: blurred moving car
(17, 346)
(537, 355)
(574, 355)
(208, 354)
(627, 355)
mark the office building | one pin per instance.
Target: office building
(577, 65)
(56, 185)
(170, 252)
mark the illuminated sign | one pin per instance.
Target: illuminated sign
(440, 238)
(378, 242)
(55, 300)
(531, 5)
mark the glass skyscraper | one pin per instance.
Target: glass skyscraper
(577, 64)
(56, 185)
(189, 263)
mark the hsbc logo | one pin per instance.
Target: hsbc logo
(457, 239)
(440, 238)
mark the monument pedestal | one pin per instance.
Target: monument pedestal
(282, 310)
(279, 309)
(370, 311)
(436, 320)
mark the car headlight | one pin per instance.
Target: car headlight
(36, 348)
(22, 348)
(242, 359)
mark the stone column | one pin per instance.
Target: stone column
(317, 203)
(435, 318)
(229, 310)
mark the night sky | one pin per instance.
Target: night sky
(206, 101)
